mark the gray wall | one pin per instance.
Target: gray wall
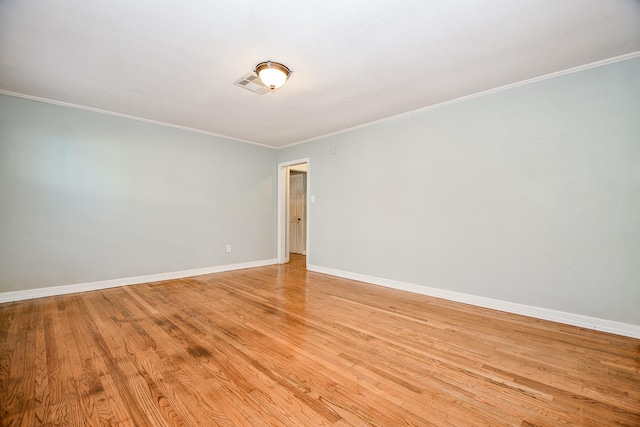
(87, 197)
(529, 195)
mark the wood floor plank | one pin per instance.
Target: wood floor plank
(19, 385)
(280, 346)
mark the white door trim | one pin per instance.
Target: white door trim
(283, 208)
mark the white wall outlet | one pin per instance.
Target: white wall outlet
(228, 248)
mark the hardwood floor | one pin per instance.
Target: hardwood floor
(280, 346)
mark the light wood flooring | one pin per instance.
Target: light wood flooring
(280, 346)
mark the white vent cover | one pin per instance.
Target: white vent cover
(253, 83)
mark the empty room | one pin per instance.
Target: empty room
(354, 213)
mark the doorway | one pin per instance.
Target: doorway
(293, 209)
(298, 209)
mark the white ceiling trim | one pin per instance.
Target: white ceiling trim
(126, 116)
(476, 95)
(464, 98)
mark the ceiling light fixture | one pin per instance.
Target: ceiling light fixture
(273, 74)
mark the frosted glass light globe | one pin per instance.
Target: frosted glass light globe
(272, 74)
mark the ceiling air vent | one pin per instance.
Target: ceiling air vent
(253, 83)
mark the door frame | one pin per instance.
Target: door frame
(283, 208)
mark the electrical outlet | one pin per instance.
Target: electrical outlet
(228, 248)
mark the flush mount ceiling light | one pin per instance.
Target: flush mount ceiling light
(273, 74)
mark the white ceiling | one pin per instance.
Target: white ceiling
(354, 61)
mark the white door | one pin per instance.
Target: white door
(297, 212)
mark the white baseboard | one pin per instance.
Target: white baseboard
(618, 328)
(104, 284)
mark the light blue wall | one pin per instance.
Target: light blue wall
(529, 195)
(88, 197)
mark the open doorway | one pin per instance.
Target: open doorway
(293, 209)
(298, 209)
